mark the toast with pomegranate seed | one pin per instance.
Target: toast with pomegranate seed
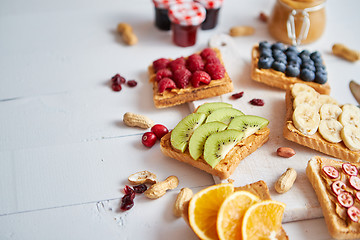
(337, 186)
(174, 86)
(278, 79)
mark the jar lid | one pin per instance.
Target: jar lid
(165, 4)
(187, 14)
(210, 4)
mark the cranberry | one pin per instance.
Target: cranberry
(237, 95)
(127, 202)
(149, 139)
(129, 191)
(257, 102)
(116, 87)
(200, 77)
(166, 83)
(159, 130)
(131, 83)
(140, 188)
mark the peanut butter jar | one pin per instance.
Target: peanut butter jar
(297, 22)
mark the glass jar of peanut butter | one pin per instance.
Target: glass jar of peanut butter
(297, 21)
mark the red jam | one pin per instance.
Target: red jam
(211, 19)
(184, 36)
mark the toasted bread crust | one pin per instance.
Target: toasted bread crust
(278, 79)
(188, 94)
(336, 226)
(226, 166)
(315, 141)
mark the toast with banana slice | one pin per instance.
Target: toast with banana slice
(319, 122)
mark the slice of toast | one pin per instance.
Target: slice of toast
(278, 79)
(179, 96)
(339, 225)
(226, 166)
(315, 141)
(259, 189)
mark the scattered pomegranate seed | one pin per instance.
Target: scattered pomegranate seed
(237, 95)
(263, 17)
(118, 79)
(159, 130)
(140, 188)
(127, 202)
(116, 87)
(149, 139)
(131, 83)
(129, 191)
(257, 102)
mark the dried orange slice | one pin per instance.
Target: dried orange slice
(231, 213)
(263, 220)
(204, 207)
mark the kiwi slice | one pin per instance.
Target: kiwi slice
(181, 134)
(198, 138)
(218, 144)
(248, 124)
(208, 108)
(224, 115)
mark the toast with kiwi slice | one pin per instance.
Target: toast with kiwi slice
(217, 145)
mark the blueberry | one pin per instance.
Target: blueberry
(307, 75)
(292, 70)
(265, 62)
(305, 58)
(304, 53)
(279, 46)
(278, 66)
(294, 58)
(292, 49)
(295, 63)
(266, 52)
(319, 66)
(320, 77)
(264, 44)
(278, 54)
(309, 65)
(315, 55)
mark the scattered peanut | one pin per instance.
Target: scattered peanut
(142, 177)
(343, 51)
(127, 33)
(183, 197)
(137, 120)
(241, 31)
(285, 152)
(286, 181)
(159, 189)
(230, 180)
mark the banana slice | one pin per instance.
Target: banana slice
(306, 119)
(323, 99)
(298, 88)
(351, 137)
(307, 97)
(350, 115)
(330, 130)
(329, 111)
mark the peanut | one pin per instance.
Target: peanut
(285, 152)
(127, 33)
(343, 51)
(241, 31)
(182, 198)
(142, 177)
(159, 189)
(286, 181)
(137, 120)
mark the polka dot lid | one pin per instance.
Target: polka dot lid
(210, 4)
(165, 4)
(187, 14)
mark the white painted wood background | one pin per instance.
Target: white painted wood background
(65, 154)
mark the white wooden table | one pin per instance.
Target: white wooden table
(65, 154)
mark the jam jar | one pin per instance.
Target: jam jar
(297, 22)
(185, 20)
(212, 8)
(162, 20)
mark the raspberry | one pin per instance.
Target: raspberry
(178, 61)
(181, 77)
(212, 59)
(166, 83)
(163, 73)
(207, 52)
(160, 64)
(195, 63)
(200, 77)
(216, 71)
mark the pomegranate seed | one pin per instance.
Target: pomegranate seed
(149, 139)
(118, 79)
(257, 102)
(237, 95)
(159, 130)
(129, 191)
(131, 83)
(127, 202)
(116, 87)
(140, 188)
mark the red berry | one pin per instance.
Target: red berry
(178, 61)
(257, 102)
(195, 63)
(127, 202)
(213, 59)
(131, 83)
(116, 87)
(159, 130)
(129, 191)
(118, 79)
(149, 139)
(160, 63)
(200, 77)
(181, 77)
(216, 71)
(176, 67)
(140, 188)
(163, 73)
(237, 95)
(207, 52)
(166, 83)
